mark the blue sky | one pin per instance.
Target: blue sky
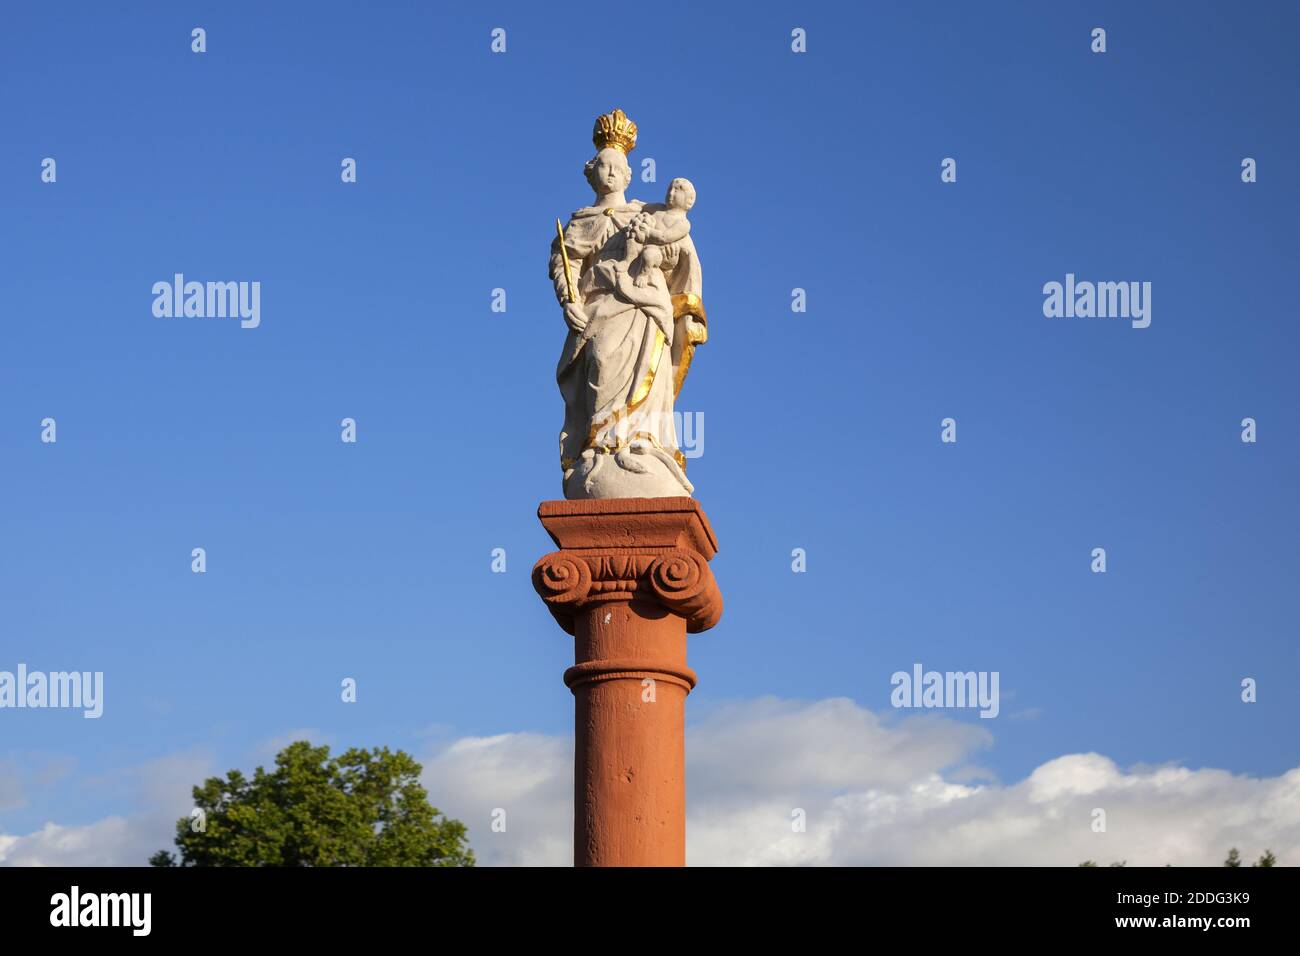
(818, 171)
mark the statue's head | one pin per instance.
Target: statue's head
(608, 171)
(614, 137)
(681, 194)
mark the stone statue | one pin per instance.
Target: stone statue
(628, 279)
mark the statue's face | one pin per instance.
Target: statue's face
(610, 173)
(679, 195)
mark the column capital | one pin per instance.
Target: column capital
(620, 549)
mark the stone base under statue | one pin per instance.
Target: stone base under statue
(640, 469)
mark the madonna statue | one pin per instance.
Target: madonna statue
(628, 280)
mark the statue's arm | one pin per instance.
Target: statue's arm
(578, 251)
(662, 235)
(557, 271)
(575, 315)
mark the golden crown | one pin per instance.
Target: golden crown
(616, 130)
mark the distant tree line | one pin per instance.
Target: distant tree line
(1234, 859)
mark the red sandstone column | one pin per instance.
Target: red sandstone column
(630, 580)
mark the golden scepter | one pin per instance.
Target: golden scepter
(564, 251)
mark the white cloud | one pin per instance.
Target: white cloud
(113, 841)
(162, 787)
(529, 776)
(876, 790)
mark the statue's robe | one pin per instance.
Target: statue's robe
(619, 377)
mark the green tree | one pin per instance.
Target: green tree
(1268, 859)
(1234, 858)
(361, 808)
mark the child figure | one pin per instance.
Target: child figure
(658, 225)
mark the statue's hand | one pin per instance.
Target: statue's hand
(575, 316)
